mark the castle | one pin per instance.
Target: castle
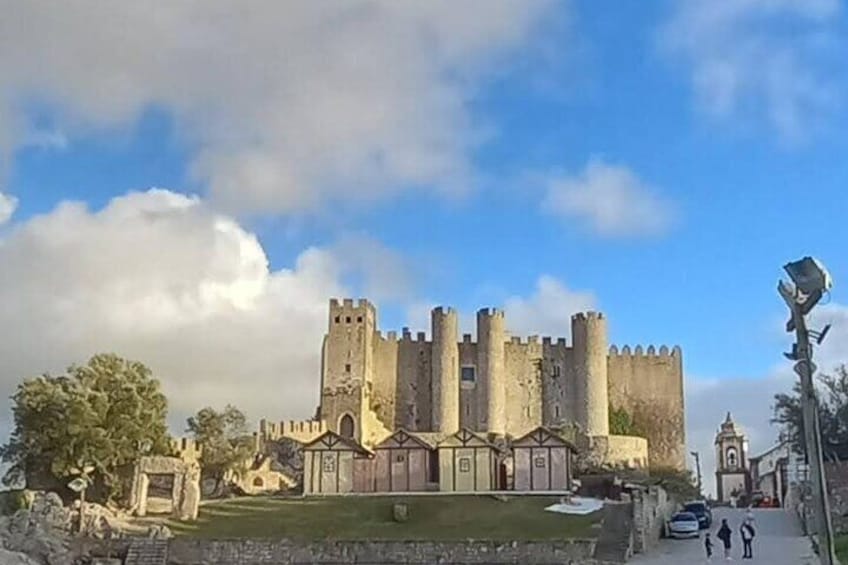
(502, 386)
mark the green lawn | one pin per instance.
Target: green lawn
(842, 548)
(430, 518)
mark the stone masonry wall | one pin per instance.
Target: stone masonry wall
(652, 507)
(649, 385)
(523, 384)
(837, 489)
(255, 552)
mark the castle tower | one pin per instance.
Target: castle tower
(732, 477)
(348, 367)
(589, 334)
(445, 370)
(491, 335)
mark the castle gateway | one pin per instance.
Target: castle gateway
(372, 385)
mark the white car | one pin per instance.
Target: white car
(684, 525)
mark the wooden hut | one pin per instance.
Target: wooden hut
(542, 461)
(467, 463)
(333, 464)
(403, 462)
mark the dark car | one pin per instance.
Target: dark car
(701, 511)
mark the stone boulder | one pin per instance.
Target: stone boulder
(14, 558)
(159, 531)
(400, 512)
(40, 531)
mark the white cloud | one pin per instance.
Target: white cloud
(160, 277)
(610, 200)
(286, 105)
(773, 59)
(8, 205)
(545, 312)
(548, 310)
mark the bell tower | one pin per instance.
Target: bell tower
(732, 476)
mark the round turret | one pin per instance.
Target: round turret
(589, 333)
(491, 334)
(445, 367)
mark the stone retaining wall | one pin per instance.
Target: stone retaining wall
(255, 552)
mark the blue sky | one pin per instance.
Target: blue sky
(659, 162)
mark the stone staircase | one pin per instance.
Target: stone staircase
(147, 552)
(615, 544)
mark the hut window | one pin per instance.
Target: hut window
(464, 464)
(329, 465)
(400, 458)
(539, 462)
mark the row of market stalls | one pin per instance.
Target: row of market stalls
(420, 462)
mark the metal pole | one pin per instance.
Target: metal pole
(697, 457)
(812, 439)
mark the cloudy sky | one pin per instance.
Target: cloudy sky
(189, 184)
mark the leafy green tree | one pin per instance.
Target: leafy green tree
(621, 422)
(226, 443)
(95, 419)
(833, 414)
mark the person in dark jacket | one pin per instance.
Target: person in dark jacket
(724, 534)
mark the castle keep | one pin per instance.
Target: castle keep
(373, 384)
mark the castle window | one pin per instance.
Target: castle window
(346, 426)
(257, 482)
(347, 367)
(347, 319)
(556, 373)
(338, 319)
(527, 411)
(468, 410)
(556, 411)
(467, 374)
(359, 319)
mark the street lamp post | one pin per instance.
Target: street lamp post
(697, 457)
(810, 280)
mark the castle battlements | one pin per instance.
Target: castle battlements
(651, 351)
(588, 316)
(186, 448)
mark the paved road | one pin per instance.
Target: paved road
(778, 542)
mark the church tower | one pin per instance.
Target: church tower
(732, 477)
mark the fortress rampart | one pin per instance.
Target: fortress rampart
(498, 384)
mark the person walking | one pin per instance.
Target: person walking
(724, 534)
(747, 533)
(708, 546)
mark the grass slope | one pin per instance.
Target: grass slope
(430, 518)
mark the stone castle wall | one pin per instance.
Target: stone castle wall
(649, 386)
(410, 382)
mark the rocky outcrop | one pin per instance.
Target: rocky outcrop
(40, 531)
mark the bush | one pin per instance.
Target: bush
(11, 501)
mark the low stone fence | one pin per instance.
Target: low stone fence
(183, 551)
(652, 508)
(837, 489)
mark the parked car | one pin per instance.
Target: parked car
(702, 511)
(684, 525)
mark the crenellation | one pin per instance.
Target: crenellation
(391, 336)
(664, 351)
(651, 351)
(466, 338)
(515, 340)
(421, 337)
(561, 341)
(347, 302)
(638, 351)
(407, 335)
(532, 340)
(546, 340)
(613, 350)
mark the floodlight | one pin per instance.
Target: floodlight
(819, 336)
(809, 276)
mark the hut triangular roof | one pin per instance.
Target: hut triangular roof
(542, 436)
(331, 440)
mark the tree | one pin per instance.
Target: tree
(225, 442)
(833, 414)
(102, 416)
